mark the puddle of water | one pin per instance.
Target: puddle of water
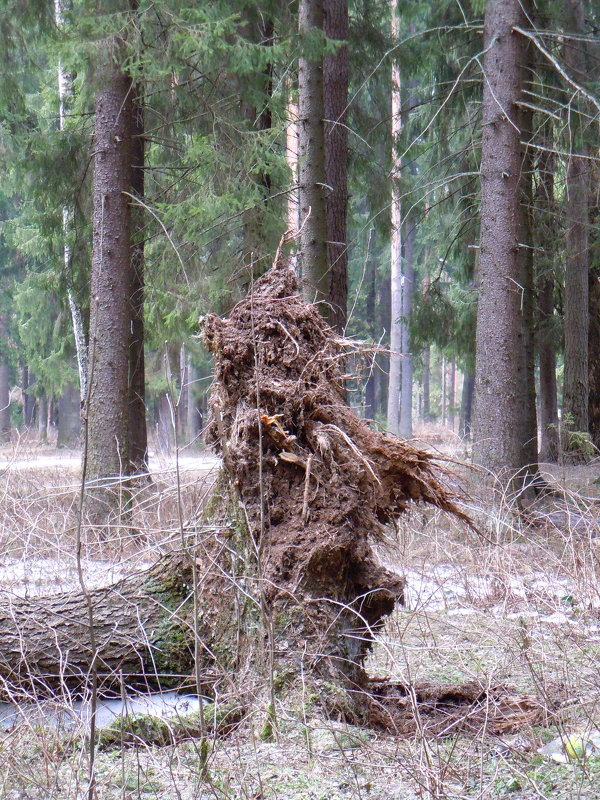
(166, 705)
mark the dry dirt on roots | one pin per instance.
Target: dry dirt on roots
(318, 486)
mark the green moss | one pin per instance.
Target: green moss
(220, 720)
(267, 733)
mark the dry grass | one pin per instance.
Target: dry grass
(517, 604)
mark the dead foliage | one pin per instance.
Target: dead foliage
(434, 709)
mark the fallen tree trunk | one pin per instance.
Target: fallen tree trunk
(140, 628)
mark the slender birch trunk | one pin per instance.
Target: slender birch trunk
(81, 345)
(393, 409)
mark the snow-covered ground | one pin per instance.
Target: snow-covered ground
(158, 463)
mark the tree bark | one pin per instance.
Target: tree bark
(140, 628)
(426, 381)
(594, 357)
(311, 153)
(408, 280)
(335, 92)
(69, 420)
(394, 384)
(138, 434)
(503, 432)
(110, 331)
(544, 212)
(575, 389)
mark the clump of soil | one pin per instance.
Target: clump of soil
(316, 483)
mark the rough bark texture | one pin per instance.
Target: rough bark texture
(594, 357)
(138, 434)
(394, 384)
(311, 153)
(326, 482)
(575, 389)
(110, 331)
(139, 625)
(335, 93)
(544, 213)
(503, 436)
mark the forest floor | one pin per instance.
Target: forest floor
(515, 604)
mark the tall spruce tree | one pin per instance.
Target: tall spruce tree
(504, 424)
(108, 403)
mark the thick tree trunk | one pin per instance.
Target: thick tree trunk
(311, 153)
(544, 213)
(110, 330)
(408, 280)
(394, 384)
(138, 434)
(575, 390)
(335, 92)
(140, 626)
(503, 432)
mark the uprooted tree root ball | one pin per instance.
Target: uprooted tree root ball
(316, 483)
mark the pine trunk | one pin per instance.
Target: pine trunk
(110, 331)
(335, 94)
(503, 433)
(311, 154)
(138, 434)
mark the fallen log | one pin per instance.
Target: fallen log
(140, 629)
